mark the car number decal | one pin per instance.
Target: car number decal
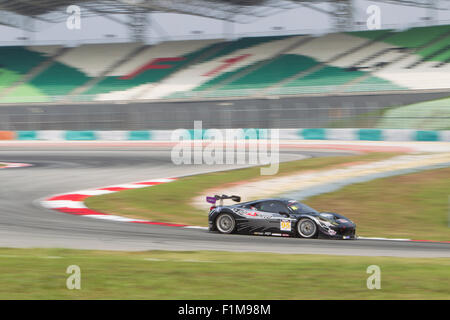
(285, 225)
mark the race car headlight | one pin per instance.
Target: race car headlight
(327, 217)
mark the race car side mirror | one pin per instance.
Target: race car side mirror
(284, 213)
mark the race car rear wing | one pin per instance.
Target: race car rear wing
(214, 199)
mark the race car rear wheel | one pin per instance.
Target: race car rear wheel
(225, 223)
(307, 228)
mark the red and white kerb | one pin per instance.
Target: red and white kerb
(73, 203)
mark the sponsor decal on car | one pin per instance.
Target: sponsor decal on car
(251, 213)
(285, 225)
(211, 200)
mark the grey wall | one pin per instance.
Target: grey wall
(289, 112)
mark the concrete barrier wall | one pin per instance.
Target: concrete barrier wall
(315, 111)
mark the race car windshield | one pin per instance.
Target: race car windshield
(298, 207)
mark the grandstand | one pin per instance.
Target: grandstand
(341, 62)
(382, 60)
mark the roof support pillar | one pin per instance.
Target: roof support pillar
(342, 15)
(138, 26)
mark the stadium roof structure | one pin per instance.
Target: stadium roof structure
(232, 10)
(23, 14)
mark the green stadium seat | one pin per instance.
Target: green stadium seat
(119, 83)
(59, 79)
(281, 68)
(324, 79)
(19, 59)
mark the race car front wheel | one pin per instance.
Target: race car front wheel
(307, 228)
(225, 223)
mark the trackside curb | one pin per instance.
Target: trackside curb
(73, 203)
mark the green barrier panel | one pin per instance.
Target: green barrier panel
(80, 135)
(139, 135)
(246, 134)
(26, 135)
(313, 134)
(427, 136)
(251, 134)
(196, 134)
(210, 134)
(263, 133)
(370, 134)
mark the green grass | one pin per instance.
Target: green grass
(157, 203)
(41, 274)
(414, 206)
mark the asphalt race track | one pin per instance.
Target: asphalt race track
(24, 223)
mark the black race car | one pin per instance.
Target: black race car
(277, 217)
